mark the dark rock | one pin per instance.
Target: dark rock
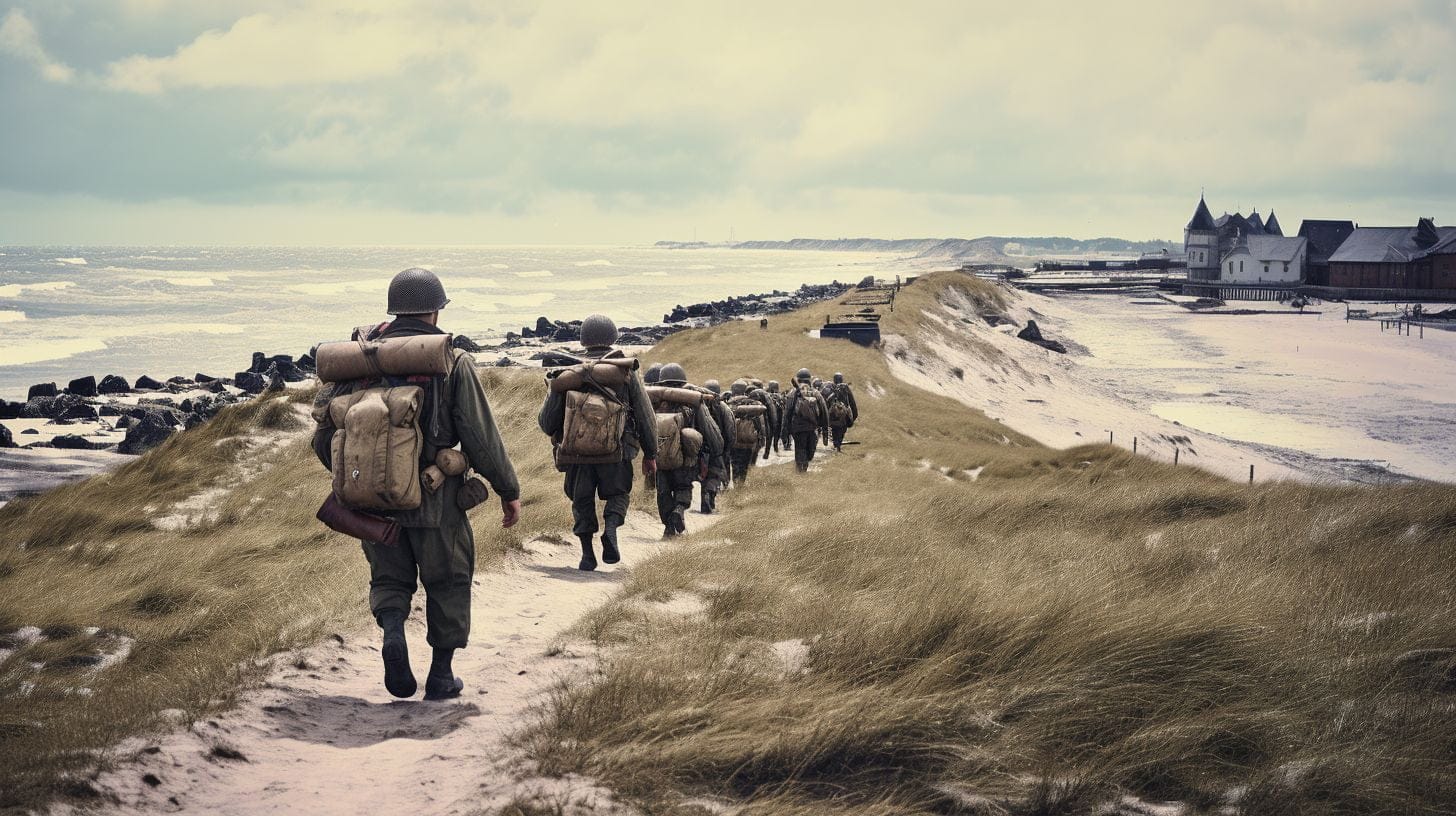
(42, 390)
(11, 410)
(30, 431)
(260, 362)
(867, 282)
(201, 378)
(1053, 345)
(109, 410)
(76, 411)
(192, 421)
(250, 382)
(123, 423)
(38, 408)
(147, 432)
(214, 386)
(82, 386)
(1030, 332)
(74, 442)
(465, 344)
(7, 440)
(544, 327)
(166, 401)
(566, 334)
(275, 378)
(307, 362)
(505, 362)
(57, 407)
(178, 380)
(186, 406)
(113, 384)
(147, 383)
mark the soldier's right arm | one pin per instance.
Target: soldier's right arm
(646, 420)
(553, 413)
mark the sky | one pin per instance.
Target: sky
(512, 122)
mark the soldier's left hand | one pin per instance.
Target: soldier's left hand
(510, 512)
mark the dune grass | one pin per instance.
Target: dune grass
(193, 611)
(1078, 631)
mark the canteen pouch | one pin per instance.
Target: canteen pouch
(472, 494)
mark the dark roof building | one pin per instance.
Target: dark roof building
(1325, 236)
(1421, 257)
(1272, 227)
(1202, 218)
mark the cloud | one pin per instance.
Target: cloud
(19, 39)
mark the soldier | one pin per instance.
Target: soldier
(651, 375)
(675, 487)
(806, 420)
(843, 411)
(751, 432)
(776, 415)
(718, 473)
(436, 546)
(611, 482)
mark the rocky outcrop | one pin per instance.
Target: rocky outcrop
(146, 432)
(82, 386)
(74, 442)
(251, 382)
(113, 384)
(1031, 333)
(776, 302)
(41, 390)
(6, 439)
(145, 383)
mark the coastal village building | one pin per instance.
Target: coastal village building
(1324, 236)
(1207, 241)
(1421, 258)
(1265, 259)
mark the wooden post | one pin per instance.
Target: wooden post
(1251, 474)
(1175, 457)
(1134, 444)
(1109, 437)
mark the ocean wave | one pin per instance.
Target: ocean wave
(498, 266)
(700, 266)
(42, 350)
(72, 261)
(597, 262)
(190, 281)
(654, 274)
(16, 289)
(539, 273)
(11, 316)
(335, 287)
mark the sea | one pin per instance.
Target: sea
(66, 312)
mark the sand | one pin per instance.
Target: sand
(323, 737)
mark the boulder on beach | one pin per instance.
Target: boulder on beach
(178, 380)
(74, 442)
(465, 344)
(145, 433)
(504, 362)
(42, 390)
(113, 384)
(76, 411)
(1031, 332)
(40, 408)
(203, 379)
(10, 410)
(147, 383)
(108, 410)
(250, 382)
(7, 440)
(82, 386)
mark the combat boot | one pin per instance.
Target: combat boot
(609, 544)
(441, 683)
(706, 505)
(399, 678)
(588, 557)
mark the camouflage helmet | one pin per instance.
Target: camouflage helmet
(714, 386)
(598, 331)
(740, 387)
(773, 386)
(803, 375)
(838, 377)
(416, 291)
(652, 374)
(673, 373)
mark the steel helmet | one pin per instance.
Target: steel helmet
(739, 388)
(598, 331)
(416, 291)
(653, 374)
(673, 374)
(714, 386)
(838, 377)
(773, 386)
(803, 375)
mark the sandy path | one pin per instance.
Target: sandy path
(322, 736)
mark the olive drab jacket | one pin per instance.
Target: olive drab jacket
(455, 412)
(632, 393)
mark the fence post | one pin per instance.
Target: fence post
(1251, 474)
(1175, 457)
(1109, 437)
(1134, 444)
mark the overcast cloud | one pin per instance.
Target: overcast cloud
(348, 121)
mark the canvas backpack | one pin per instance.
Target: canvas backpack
(671, 454)
(592, 430)
(839, 411)
(746, 411)
(376, 447)
(808, 404)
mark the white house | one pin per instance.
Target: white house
(1264, 259)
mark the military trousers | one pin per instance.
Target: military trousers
(675, 493)
(717, 475)
(584, 484)
(742, 459)
(440, 558)
(806, 443)
(836, 434)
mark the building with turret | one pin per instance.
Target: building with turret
(1209, 241)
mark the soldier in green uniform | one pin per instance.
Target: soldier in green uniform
(806, 420)
(436, 547)
(718, 472)
(675, 487)
(612, 482)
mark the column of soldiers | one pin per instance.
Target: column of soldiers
(599, 417)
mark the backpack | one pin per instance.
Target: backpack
(808, 404)
(592, 430)
(746, 411)
(670, 452)
(376, 447)
(839, 412)
(596, 417)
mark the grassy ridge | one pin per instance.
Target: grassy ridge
(1071, 631)
(198, 607)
